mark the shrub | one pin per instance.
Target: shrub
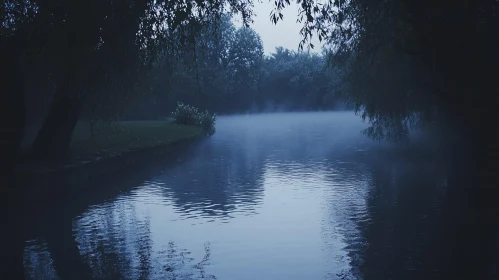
(189, 115)
(185, 114)
(207, 121)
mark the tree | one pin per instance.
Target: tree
(221, 74)
(244, 67)
(198, 74)
(75, 48)
(297, 81)
(411, 62)
(406, 36)
(227, 73)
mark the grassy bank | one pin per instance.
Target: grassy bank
(122, 138)
(119, 147)
(127, 136)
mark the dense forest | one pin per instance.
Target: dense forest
(231, 74)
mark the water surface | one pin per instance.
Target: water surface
(282, 196)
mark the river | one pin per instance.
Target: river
(277, 196)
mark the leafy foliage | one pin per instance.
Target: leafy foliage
(189, 115)
(409, 63)
(400, 64)
(297, 81)
(104, 65)
(229, 73)
(185, 114)
(207, 121)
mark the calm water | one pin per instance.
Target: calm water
(284, 196)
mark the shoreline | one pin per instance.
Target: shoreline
(40, 179)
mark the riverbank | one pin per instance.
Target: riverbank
(127, 136)
(124, 145)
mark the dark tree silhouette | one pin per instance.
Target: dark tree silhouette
(413, 63)
(120, 44)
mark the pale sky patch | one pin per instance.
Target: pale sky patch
(286, 33)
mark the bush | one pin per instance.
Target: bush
(189, 115)
(207, 121)
(185, 114)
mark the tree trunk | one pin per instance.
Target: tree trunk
(64, 251)
(13, 112)
(52, 141)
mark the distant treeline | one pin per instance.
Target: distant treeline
(229, 73)
(402, 65)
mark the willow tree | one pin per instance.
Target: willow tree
(88, 45)
(412, 63)
(409, 62)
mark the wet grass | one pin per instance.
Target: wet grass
(126, 136)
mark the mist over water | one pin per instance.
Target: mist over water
(270, 196)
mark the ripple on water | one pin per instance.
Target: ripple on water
(296, 197)
(37, 261)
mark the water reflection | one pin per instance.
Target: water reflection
(403, 207)
(287, 196)
(103, 236)
(220, 181)
(37, 261)
(109, 261)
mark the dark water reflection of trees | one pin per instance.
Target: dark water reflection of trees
(64, 241)
(217, 182)
(423, 223)
(402, 215)
(404, 204)
(214, 183)
(107, 253)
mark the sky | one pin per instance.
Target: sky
(286, 33)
